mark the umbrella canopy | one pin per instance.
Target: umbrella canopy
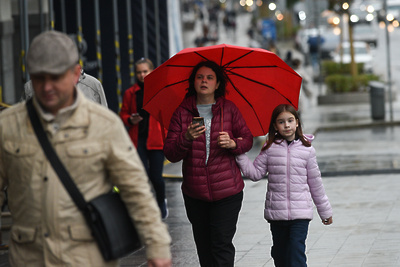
(257, 81)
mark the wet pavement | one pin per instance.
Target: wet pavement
(359, 160)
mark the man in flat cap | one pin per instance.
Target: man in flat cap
(48, 229)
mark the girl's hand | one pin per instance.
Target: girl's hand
(194, 131)
(327, 221)
(225, 141)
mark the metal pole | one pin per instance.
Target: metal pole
(23, 14)
(63, 17)
(157, 29)
(98, 40)
(389, 71)
(130, 42)
(79, 30)
(51, 14)
(316, 20)
(41, 16)
(117, 53)
(144, 27)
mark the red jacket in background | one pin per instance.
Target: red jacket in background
(220, 177)
(155, 135)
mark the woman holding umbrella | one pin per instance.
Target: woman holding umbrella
(212, 183)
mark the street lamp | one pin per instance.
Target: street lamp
(272, 6)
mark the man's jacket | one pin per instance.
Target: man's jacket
(48, 229)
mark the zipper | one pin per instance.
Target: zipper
(208, 184)
(288, 180)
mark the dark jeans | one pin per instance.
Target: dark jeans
(153, 161)
(214, 225)
(289, 242)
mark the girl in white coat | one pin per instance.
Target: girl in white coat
(294, 182)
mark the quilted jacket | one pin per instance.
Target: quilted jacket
(220, 177)
(294, 181)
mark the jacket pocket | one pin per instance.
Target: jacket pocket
(17, 149)
(80, 233)
(19, 159)
(85, 160)
(84, 150)
(23, 234)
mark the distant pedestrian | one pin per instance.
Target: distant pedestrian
(288, 58)
(314, 46)
(89, 85)
(146, 133)
(48, 229)
(212, 183)
(294, 181)
(272, 47)
(305, 91)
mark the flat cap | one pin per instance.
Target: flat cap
(51, 52)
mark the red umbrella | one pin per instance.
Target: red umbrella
(257, 81)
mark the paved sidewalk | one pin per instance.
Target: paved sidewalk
(366, 221)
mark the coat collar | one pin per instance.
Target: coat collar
(74, 121)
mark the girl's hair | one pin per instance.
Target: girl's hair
(144, 60)
(274, 136)
(219, 73)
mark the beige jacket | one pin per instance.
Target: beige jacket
(48, 229)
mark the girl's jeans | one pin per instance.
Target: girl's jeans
(289, 242)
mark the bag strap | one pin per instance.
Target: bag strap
(51, 155)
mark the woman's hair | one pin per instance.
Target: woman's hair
(219, 73)
(144, 60)
(274, 136)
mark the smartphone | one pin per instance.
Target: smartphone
(199, 120)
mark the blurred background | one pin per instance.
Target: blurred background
(343, 44)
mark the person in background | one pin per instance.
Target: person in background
(294, 182)
(305, 91)
(48, 228)
(289, 59)
(212, 183)
(145, 132)
(89, 85)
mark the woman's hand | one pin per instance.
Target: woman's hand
(194, 131)
(225, 141)
(135, 118)
(327, 221)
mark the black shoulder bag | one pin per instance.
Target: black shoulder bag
(106, 215)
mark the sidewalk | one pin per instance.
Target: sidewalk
(366, 221)
(366, 206)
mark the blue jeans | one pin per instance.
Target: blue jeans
(214, 226)
(153, 161)
(289, 242)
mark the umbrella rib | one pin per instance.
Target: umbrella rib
(263, 84)
(245, 99)
(236, 59)
(169, 85)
